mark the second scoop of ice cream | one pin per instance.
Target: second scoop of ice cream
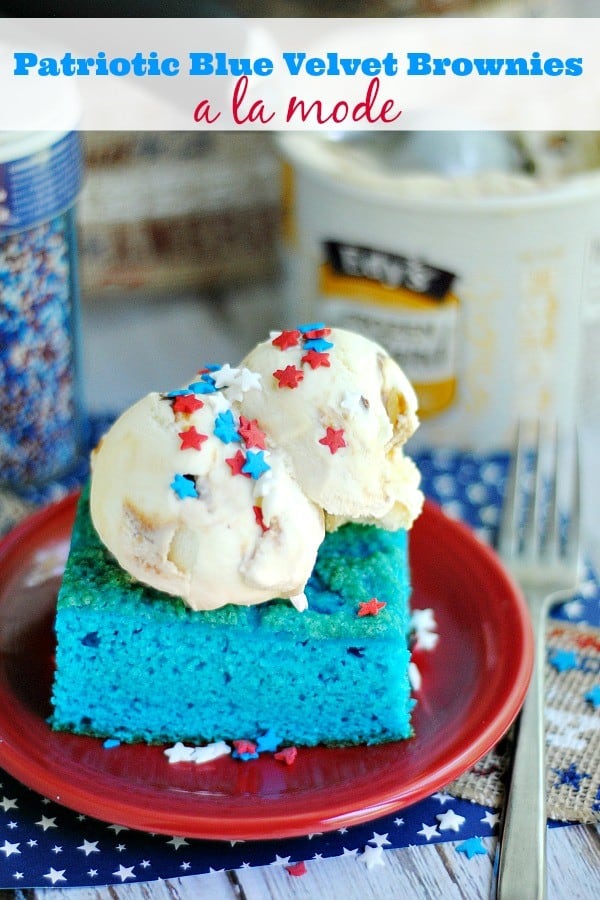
(341, 408)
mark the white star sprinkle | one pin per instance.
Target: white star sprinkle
(224, 376)
(429, 831)
(249, 380)
(450, 821)
(351, 402)
(179, 753)
(372, 856)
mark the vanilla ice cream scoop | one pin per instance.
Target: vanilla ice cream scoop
(192, 498)
(341, 408)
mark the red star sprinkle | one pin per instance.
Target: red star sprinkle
(371, 608)
(192, 439)
(186, 403)
(316, 333)
(287, 339)
(287, 755)
(258, 515)
(333, 438)
(236, 462)
(315, 359)
(298, 868)
(244, 746)
(252, 434)
(289, 377)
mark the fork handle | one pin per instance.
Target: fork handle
(522, 856)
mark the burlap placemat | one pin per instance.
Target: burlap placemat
(572, 684)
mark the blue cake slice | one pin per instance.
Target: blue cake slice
(135, 664)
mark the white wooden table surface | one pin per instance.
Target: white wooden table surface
(434, 872)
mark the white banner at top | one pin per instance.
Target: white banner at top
(300, 74)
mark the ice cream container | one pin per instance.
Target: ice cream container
(484, 287)
(40, 392)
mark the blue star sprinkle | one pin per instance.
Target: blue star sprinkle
(570, 777)
(563, 660)
(268, 742)
(255, 464)
(594, 696)
(318, 344)
(184, 487)
(472, 847)
(206, 385)
(226, 428)
(311, 326)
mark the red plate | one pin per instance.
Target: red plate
(473, 685)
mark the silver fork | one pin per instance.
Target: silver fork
(541, 551)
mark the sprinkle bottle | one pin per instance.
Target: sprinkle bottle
(41, 414)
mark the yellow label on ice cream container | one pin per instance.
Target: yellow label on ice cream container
(403, 303)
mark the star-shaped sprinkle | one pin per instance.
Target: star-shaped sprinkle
(317, 333)
(252, 434)
(472, 847)
(191, 439)
(371, 607)
(333, 438)
(268, 742)
(187, 403)
(307, 327)
(249, 380)
(316, 360)
(372, 856)
(287, 755)
(564, 660)
(593, 696)
(287, 339)
(226, 428)
(210, 751)
(225, 376)
(429, 831)
(290, 377)
(255, 464)
(184, 487)
(352, 402)
(206, 385)
(244, 750)
(297, 869)
(450, 821)
(321, 345)
(571, 777)
(236, 464)
(179, 752)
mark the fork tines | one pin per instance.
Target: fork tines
(543, 479)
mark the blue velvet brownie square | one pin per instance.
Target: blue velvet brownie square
(137, 665)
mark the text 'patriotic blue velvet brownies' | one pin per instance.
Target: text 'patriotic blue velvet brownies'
(239, 565)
